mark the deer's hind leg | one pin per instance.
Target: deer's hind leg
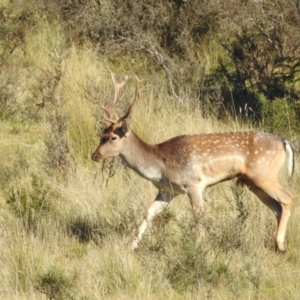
(196, 200)
(279, 201)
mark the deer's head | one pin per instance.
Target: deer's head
(116, 129)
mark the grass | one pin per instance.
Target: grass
(66, 235)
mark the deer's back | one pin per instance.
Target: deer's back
(211, 158)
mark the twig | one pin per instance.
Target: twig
(159, 58)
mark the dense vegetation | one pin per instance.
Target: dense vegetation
(207, 66)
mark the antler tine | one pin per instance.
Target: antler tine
(138, 81)
(118, 86)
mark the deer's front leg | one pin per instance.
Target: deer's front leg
(161, 202)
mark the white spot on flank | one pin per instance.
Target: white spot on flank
(255, 152)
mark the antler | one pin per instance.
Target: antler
(117, 86)
(138, 81)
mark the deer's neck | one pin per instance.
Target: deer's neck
(142, 157)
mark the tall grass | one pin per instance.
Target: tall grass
(66, 235)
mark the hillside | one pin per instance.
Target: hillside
(66, 223)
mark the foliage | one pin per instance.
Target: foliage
(66, 234)
(31, 203)
(192, 265)
(16, 25)
(280, 116)
(259, 53)
(56, 156)
(86, 229)
(258, 64)
(209, 261)
(8, 173)
(55, 284)
(161, 33)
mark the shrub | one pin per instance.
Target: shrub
(258, 62)
(30, 202)
(57, 150)
(208, 261)
(280, 116)
(55, 284)
(16, 24)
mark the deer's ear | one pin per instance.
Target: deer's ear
(124, 126)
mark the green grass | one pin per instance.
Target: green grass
(66, 235)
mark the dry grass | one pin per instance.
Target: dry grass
(66, 236)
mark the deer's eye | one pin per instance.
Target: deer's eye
(113, 138)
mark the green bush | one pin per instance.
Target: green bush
(55, 284)
(195, 263)
(257, 65)
(280, 116)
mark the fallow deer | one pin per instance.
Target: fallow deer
(187, 164)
